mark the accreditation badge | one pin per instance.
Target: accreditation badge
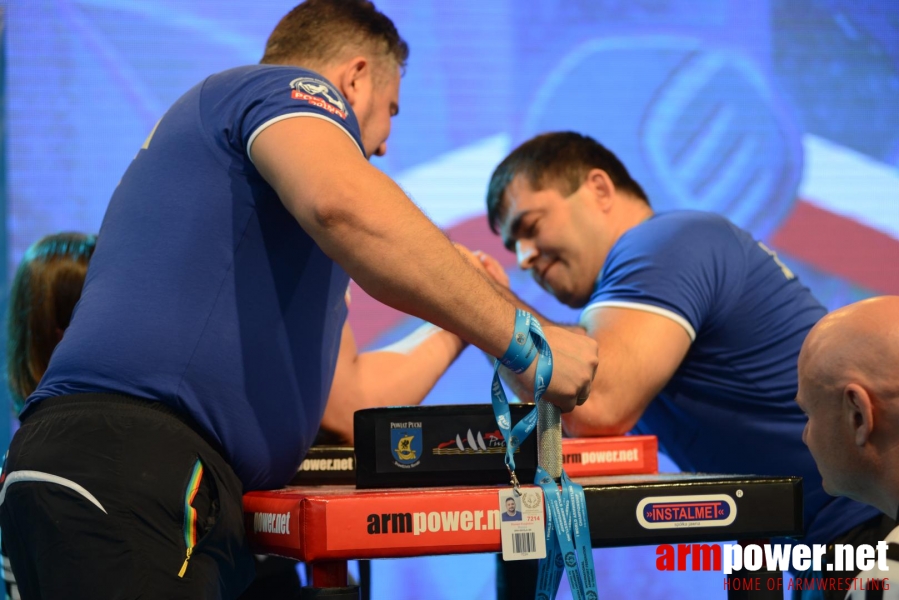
(522, 523)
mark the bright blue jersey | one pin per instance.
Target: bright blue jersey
(204, 293)
(730, 407)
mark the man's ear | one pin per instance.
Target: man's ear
(355, 79)
(601, 188)
(859, 412)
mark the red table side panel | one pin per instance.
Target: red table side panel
(342, 522)
(274, 521)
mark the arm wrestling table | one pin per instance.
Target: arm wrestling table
(327, 525)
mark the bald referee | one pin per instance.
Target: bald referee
(849, 388)
(198, 361)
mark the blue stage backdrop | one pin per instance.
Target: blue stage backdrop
(780, 114)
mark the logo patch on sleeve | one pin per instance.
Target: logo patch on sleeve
(320, 94)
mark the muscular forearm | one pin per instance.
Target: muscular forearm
(513, 299)
(401, 259)
(639, 353)
(401, 374)
(601, 415)
(619, 394)
(365, 223)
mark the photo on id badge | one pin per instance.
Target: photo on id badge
(522, 524)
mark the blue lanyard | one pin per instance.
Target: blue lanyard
(568, 535)
(527, 342)
(567, 530)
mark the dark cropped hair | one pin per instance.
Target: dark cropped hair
(44, 292)
(318, 31)
(557, 160)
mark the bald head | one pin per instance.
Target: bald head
(858, 343)
(849, 389)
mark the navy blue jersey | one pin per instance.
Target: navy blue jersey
(730, 406)
(204, 293)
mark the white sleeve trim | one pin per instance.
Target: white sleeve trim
(664, 312)
(293, 115)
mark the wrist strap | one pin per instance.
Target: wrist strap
(522, 351)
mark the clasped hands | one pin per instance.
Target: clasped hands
(574, 353)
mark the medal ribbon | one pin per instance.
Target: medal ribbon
(567, 530)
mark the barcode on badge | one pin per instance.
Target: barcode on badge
(524, 543)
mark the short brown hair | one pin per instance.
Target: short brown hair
(44, 292)
(319, 31)
(560, 161)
